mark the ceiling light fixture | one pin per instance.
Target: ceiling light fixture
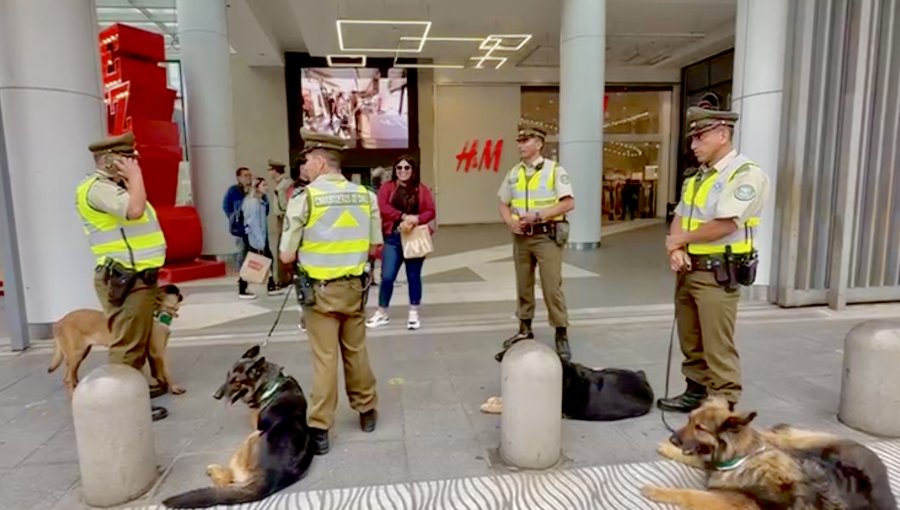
(498, 39)
(341, 22)
(500, 61)
(346, 60)
(442, 39)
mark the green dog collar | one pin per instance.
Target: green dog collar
(165, 318)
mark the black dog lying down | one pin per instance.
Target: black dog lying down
(604, 395)
(601, 395)
(275, 455)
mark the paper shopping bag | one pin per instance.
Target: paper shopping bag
(255, 268)
(416, 243)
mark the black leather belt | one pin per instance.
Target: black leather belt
(339, 279)
(711, 262)
(539, 228)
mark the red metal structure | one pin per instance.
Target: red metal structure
(138, 100)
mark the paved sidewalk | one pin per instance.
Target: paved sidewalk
(431, 384)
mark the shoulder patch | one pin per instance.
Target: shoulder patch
(745, 193)
(564, 179)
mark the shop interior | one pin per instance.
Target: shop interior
(635, 153)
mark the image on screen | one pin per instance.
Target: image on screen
(360, 105)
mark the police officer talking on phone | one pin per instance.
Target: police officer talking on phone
(332, 229)
(710, 247)
(129, 247)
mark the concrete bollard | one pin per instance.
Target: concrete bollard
(114, 435)
(531, 422)
(870, 385)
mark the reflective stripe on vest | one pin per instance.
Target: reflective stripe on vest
(111, 236)
(701, 196)
(530, 194)
(336, 238)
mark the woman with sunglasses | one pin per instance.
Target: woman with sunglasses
(404, 203)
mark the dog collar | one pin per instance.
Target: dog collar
(733, 464)
(165, 318)
(270, 390)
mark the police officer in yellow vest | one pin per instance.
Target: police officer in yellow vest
(534, 198)
(710, 246)
(332, 229)
(129, 246)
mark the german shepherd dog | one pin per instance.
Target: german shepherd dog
(79, 330)
(275, 455)
(777, 469)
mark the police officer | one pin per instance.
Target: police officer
(534, 199)
(129, 246)
(710, 247)
(333, 226)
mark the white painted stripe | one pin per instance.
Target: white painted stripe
(614, 487)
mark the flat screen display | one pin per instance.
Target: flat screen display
(361, 105)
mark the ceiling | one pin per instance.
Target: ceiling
(658, 33)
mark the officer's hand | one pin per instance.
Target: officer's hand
(128, 168)
(529, 218)
(515, 226)
(679, 261)
(674, 242)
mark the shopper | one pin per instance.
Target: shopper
(404, 203)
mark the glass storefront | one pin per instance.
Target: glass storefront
(637, 128)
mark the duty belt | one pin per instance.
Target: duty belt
(710, 262)
(539, 228)
(338, 279)
(110, 267)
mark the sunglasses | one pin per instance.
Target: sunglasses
(404, 167)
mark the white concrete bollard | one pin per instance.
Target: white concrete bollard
(531, 421)
(870, 386)
(114, 435)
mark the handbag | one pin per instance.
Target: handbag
(255, 268)
(416, 243)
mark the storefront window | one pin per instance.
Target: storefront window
(636, 146)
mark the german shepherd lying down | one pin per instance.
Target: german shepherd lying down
(604, 395)
(275, 455)
(781, 468)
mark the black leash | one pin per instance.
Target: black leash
(662, 413)
(278, 317)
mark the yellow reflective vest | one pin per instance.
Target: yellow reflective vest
(533, 193)
(135, 244)
(701, 196)
(336, 237)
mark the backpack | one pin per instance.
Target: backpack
(236, 222)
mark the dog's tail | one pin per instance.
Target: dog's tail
(213, 496)
(57, 351)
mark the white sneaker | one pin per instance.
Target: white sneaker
(412, 322)
(379, 319)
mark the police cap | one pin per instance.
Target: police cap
(700, 120)
(120, 144)
(529, 132)
(313, 141)
(276, 164)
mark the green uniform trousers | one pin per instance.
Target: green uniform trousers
(706, 315)
(336, 325)
(543, 251)
(131, 323)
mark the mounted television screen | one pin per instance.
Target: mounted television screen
(360, 105)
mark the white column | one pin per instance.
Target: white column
(582, 62)
(52, 106)
(206, 66)
(759, 53)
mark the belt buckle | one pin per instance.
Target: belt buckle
(529, 230)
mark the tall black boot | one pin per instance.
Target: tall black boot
(691, 399)
(562, 344)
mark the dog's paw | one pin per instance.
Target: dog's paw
(654, 493)
(176, 390)
(669, 450)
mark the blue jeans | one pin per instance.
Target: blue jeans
(391, 259)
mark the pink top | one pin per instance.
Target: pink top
(390, 216)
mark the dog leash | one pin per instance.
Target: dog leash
(662, 412)
(278, 317)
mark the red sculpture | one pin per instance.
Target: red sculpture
(139, 100)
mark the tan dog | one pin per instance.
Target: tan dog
(774, 469)
(81, 329)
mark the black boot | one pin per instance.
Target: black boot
(691, 399)
(367, 420)
(524, 333)
(562, 344)
(319, 440)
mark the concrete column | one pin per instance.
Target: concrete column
(52, 107)
(206, 66)
(582, 63)
(759, 57)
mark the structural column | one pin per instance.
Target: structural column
(582, 63)
(52, 106)
(206, 66)
(759, 59)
